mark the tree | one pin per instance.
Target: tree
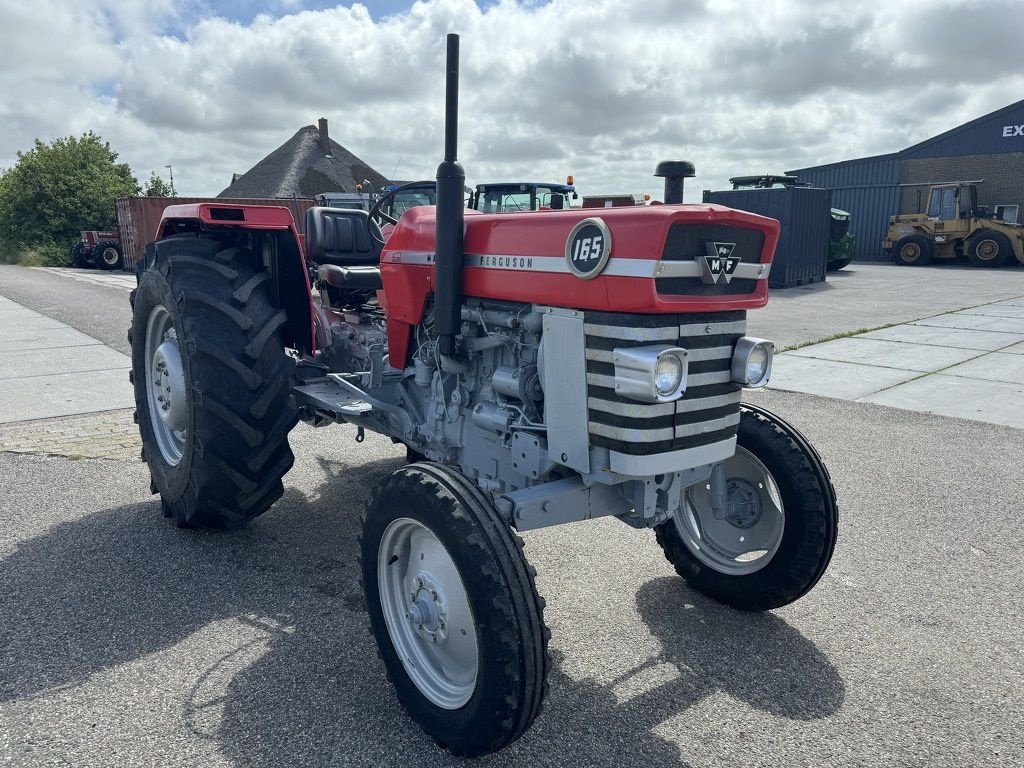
(157, 187)
(56, 190)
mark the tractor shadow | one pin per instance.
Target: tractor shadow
(297, 680)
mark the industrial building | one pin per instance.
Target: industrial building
(988, 151)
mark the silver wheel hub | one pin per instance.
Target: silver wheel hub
(427, 613)
(165, 386)
(744, 536)
(169, 385)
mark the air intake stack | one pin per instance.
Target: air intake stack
(451, 181)
(674, 171)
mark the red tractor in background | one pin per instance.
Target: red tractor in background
(540, 369)
(101, 249)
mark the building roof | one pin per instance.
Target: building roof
(306, 165)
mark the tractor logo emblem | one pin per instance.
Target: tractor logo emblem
(719, 262)
(588, 247)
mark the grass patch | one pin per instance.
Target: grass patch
(843, 335)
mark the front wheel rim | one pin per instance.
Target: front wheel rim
(427, 613)
(988, 250)
(165, 386)
(744, 538)
(109, 256)
(911, 252)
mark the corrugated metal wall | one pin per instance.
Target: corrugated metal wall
(991, 134)
(804, 214)
(139, 217)
(867, 188)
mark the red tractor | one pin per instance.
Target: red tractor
(540, 370)
(98, 249)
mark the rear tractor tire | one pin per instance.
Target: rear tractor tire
(211, 382)
(107, 255)
(776, 537)
(454, 610)
(78, 257)
(988, 248)
(912, 251)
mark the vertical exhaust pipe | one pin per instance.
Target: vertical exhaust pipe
(674, 171)
(451, 181)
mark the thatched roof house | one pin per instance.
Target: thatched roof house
(306, 165)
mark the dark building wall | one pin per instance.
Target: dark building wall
(867, 188)
(1002, 175)
(991, 134)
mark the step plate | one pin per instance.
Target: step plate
(328, 399)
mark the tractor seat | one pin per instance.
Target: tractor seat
(343, 237)
(351, 278)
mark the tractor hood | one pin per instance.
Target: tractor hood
(653, 259)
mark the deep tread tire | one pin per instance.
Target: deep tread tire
(836, 264)
(509, 614)
(809, 537)
(912, 251)
(236, 375)
(102, 255)
(989, 249)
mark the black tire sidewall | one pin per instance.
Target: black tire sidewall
(450, 727)
(170, 481)
(1001, 258)
(806, 545)
(922, 243)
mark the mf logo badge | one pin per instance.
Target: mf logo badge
(719, 262)
(588, 247)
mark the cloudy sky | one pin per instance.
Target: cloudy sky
(602, 89)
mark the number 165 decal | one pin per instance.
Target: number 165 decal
(587, 248)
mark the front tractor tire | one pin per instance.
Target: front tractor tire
(775, 538)
(211, 382)
(987, 248)
(913, 251)
(454, 610)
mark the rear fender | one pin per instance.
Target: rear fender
(271, 233)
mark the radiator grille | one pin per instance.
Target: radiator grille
(709, 410)
(687, 242)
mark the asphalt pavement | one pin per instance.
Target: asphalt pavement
(124, 641)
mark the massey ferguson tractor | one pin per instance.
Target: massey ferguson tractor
(540, 370)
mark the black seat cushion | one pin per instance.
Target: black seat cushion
(351, 278)
(341, 236)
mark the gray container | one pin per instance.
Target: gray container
(805, 215)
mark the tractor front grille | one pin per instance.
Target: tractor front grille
(709, 410)
(688, 242)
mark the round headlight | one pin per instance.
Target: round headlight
(757, 363)
(668, 375)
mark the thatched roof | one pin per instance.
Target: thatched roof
(309, 163)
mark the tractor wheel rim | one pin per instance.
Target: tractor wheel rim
(987, 250)
(911, 252)
(427, 613)
(744, 538)
(109, 256)
(165, 386)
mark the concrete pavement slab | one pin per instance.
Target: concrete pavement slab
(122, 280)
(887, 354)
(1017, 302)
(16, 322)
(995, 366)
(974, 322)
(830, 378)
(40, 397)
(1016, 349)
(995, 402)
(31, 362)
(997, 310)
(988, 341)
(43, 338)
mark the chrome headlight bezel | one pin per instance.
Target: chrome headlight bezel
(745, 348)
(635, 369)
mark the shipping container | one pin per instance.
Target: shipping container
(805, 216)
(139, 217)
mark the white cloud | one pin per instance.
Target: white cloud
(601, 89)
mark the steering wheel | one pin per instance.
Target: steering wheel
(375, 209)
